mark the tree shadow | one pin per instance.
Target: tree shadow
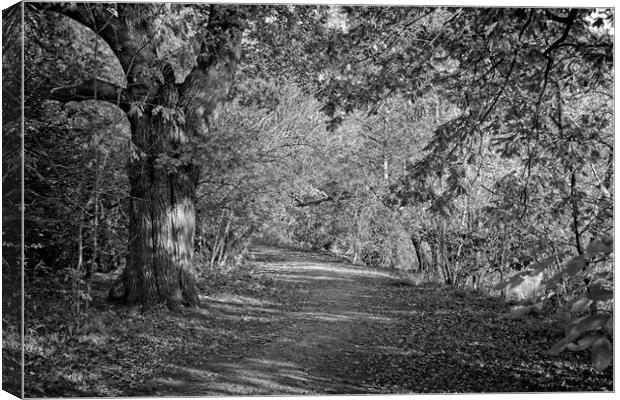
(295, 345)
(333, 328)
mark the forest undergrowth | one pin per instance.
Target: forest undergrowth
(446, 340)
(111, 349)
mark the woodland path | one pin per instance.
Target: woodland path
(321, 326)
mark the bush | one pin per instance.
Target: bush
(591, 326)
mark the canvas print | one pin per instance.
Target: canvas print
(283, 199)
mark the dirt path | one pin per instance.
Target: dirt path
(327, 318)
(326, 327)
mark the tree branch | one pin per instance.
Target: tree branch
(110, 24)
(103, 22)
(92, 89)
(209, 82)
(222, 39)
(569, 20)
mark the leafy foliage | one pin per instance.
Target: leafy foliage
(74, 178)
(469, 146)
(593, 330)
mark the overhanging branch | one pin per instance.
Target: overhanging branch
(209, 82)
(103, 22)
(92, 89)
(110, 24)
(568, 21)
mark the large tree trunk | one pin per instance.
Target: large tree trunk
(161, 230)
(162, 213)
(162, 223)
(163, 182)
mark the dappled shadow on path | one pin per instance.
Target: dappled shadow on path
(326, 327)
(293, 344)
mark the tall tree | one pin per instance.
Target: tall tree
(179, 63)
(166, 114)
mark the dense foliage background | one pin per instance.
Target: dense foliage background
(471, 146)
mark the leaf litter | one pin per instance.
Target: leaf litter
(259, 333)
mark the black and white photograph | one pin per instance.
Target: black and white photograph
(300, 199)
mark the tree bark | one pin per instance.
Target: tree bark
(162, 212)
(162, 221)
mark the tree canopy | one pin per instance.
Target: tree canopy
(471, 145)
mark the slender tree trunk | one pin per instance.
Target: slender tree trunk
(78, 268)
(575, 211)
(216, 241)
(386, 161)
(92, 266)
(386, 168)
(422, 262)
(502, 260)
